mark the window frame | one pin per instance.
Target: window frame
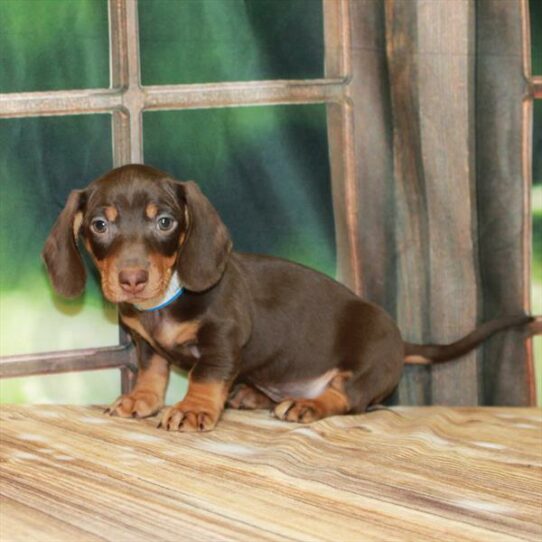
(126, 99)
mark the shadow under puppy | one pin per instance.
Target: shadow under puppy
(252, 331)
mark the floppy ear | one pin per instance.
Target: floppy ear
(60, 253)
(204, 253)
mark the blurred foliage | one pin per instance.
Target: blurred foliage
(41, 161)
(201, 41)
(68, 388)
(53, 44)
(535, 8)
(49, 45)
(536, 49)
(537, 233)
(265, 169)
(537, 140)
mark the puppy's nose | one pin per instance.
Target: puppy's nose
(133, 281)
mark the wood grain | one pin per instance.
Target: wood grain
(445, 60)
(503, 185)
(70, 473)
(429, 51)
(443, 222)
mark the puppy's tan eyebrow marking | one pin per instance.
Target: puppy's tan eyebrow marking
(151, 210)
(111, 213)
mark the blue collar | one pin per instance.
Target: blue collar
(172, 293)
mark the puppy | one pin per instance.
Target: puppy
(251, 331)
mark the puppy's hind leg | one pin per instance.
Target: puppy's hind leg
(377, 376)
(374, 353)
(332, 401)
(372, 373)
(369, 351)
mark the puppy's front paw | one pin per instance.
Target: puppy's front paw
(138, 404)
(188, 417)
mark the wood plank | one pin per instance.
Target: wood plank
(380, 247)
(374, 153)
(407, 473)
(437, 90)
(445, 67)
(504, 220)
(21, 522)
(410, 220)
(431, 73)
(415, 179)
(341, 142)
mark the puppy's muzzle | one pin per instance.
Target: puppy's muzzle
(133, 280)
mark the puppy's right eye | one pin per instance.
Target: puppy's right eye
(165, 223)
(98, 226)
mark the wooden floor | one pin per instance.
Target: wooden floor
(73, 474)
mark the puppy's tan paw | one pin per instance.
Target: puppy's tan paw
(188, 418)
(138, 404)
(245, 397)
(300, 411)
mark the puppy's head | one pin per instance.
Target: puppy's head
(140, 226)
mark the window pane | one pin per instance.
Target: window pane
(85, 388)
(536, 35)
(53, 45)
(41, 160)
(537, 142)
(199, 41)
(265, 169)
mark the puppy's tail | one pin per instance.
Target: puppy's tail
(425, 354)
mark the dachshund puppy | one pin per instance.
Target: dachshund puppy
(252, 331)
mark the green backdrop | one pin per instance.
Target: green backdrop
(265, 168)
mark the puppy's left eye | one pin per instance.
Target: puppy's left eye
(165, 223)
(99, 226)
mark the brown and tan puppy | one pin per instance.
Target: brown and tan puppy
(252, 331)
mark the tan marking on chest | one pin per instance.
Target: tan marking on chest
(168, 334)
(133, 323)
(173, 333)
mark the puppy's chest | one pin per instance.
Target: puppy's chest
(165, 334)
